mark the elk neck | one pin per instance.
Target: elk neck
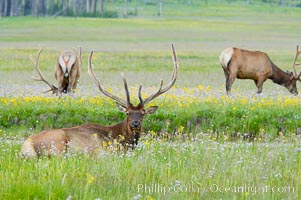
(131, 135)
(279, 76)
(124, 133)
(120, 132)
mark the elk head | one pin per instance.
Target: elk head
(135, 114)
(67, 71)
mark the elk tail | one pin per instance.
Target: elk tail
(28, 150)
(225, 58)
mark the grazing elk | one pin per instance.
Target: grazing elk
(91, 138)
(256, 65)
(66, 72)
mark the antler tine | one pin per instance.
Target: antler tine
(79, 54)
(298, 52)
(295, 60)
(168, 86)
(151, 97)
(36, 63)
(100, 87)
(42, 78)
(139, 94)
(128, 99)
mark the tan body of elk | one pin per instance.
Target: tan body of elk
(86, 138)
(67, 71)
(255, 65)
(91, 137)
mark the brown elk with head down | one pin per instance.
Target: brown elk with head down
(67, 71)
(256, 65)
(91, 137)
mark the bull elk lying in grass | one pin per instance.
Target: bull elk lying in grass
(91, 138)
(67, 71)
(256, 65)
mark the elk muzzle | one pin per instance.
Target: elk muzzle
(135, 121)
(66, 74)
(294, 91)
(136, 124)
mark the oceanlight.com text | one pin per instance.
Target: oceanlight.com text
(213, 188)
(252, 190)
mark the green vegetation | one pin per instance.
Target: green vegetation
(264, 118)
(195, 168)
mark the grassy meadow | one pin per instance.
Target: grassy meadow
(200, 144)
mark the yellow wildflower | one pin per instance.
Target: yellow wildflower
(180, 129)
(90, 178)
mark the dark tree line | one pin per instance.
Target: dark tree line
(65, 7)
(96, 8)
(51, 7)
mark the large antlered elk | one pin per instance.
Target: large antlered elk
(256, 65)
(66, 72)
(91, 138)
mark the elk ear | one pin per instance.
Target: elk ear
(121, 107)
(151, 110)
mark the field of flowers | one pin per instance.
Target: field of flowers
(199, 144)
(174, 159)
(195, 110)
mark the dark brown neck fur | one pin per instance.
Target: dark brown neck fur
(279, 76)
(120, 132)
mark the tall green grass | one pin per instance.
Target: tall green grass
(185, 168)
